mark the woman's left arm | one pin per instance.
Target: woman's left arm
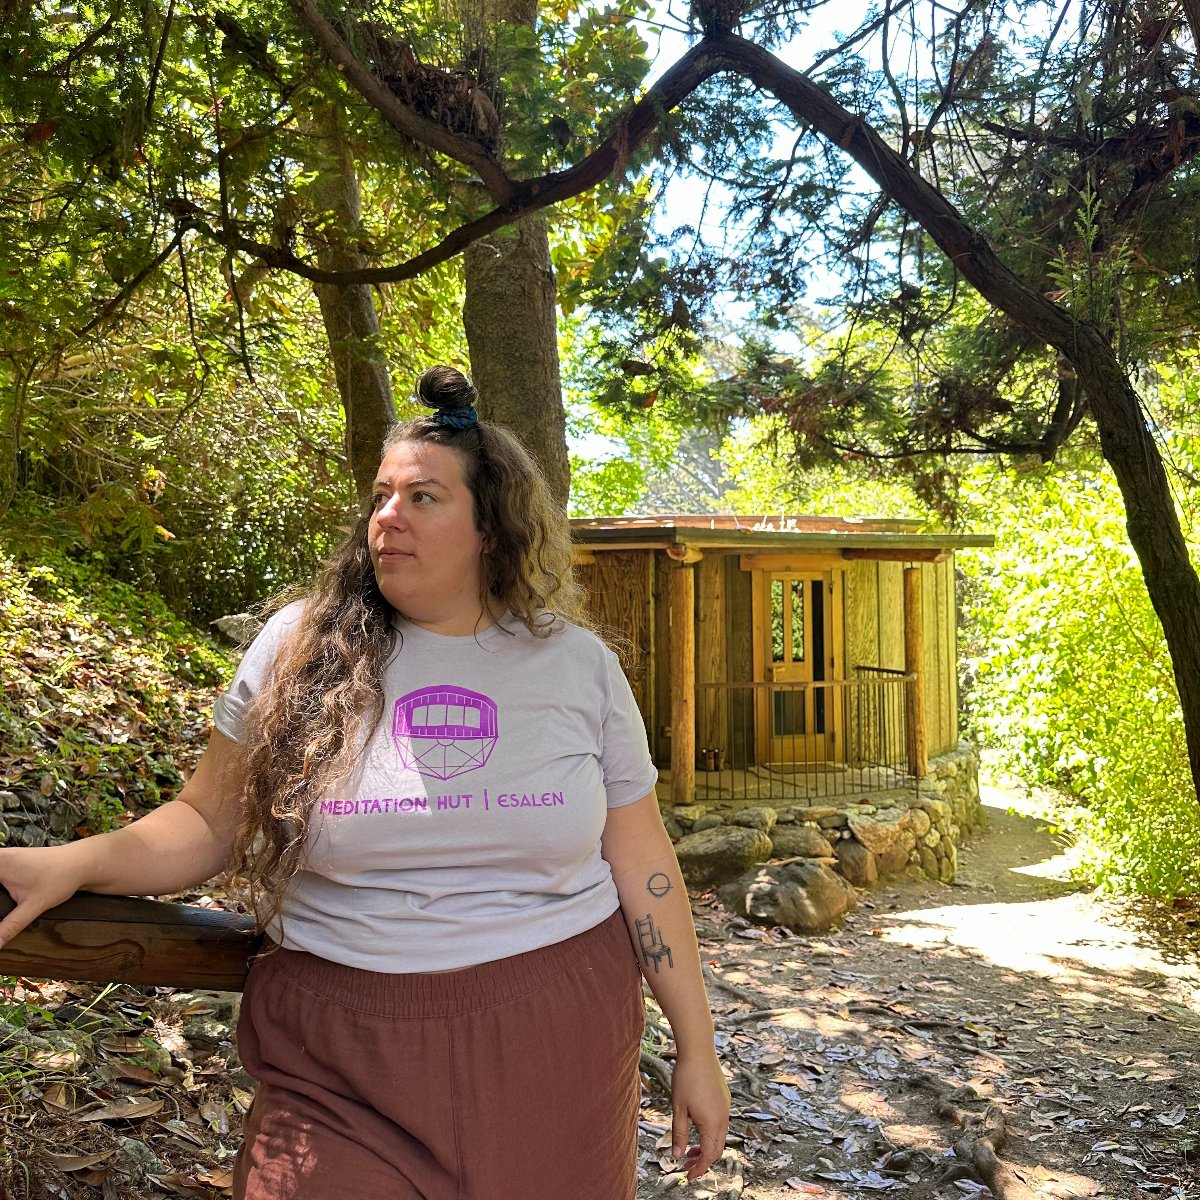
(655, 905)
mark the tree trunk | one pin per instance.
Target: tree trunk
(510, 316)
(510, 320)
(351, 322)
(1151, 519)
(1125, 439)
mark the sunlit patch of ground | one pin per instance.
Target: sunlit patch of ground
(1070, 938)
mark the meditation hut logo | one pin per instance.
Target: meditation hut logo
(444, 731)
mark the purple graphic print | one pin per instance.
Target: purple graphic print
(444, 731)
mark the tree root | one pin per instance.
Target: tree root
(732, 989)
(982, 1139)
(658, 1069)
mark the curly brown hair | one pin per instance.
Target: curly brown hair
(324, 694)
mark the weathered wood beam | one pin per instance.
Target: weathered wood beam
(914, 664)
(931, 554)
(683, 683)
(122, 939)
(683, 552)
(712, 711)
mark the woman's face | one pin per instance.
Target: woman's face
(423, 540)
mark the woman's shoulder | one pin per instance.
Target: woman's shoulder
(559, 636)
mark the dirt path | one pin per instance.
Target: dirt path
(1078, 1018)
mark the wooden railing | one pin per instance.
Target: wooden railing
(123, 939)
(820, 737)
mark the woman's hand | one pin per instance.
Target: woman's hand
(700, 1097)
(37, 880)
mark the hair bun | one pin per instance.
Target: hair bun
(444, 387)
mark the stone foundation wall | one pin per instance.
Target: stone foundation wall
(864, 838)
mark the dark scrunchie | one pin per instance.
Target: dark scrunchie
(456, 418)
(451, 394)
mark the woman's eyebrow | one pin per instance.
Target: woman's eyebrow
(424, 481)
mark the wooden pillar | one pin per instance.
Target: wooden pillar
(683, 683)
(918, 762)
(712, 709)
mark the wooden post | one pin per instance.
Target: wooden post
(712, 709)
(918, 762)
(683, 683)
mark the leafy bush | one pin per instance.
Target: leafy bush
(1069, 676)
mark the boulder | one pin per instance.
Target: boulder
(799, 841)
(815, 812)
(689, 812)
(857, 863)
(938, 810)
(717, 855)
(712, 821)
(917, 821)
(880, 832)
(805, 896)
(893, 861)
(755, 818)
(929, 862)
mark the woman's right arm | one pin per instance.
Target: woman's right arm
(184, 842)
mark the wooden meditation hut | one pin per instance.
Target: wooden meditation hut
(784, 658)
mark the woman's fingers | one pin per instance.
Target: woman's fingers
(20, 918)
(36, 881)
(711, 1147)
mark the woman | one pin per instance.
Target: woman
(436, 785)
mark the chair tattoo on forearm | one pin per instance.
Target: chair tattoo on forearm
(650, 939)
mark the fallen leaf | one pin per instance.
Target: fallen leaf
(59, 1098)
(1130, 1162)
(55, 1060)
(183, 1185)
(78, 1162)
(122, 1043)
(123, 1110)
(132, 1073)
(214, 1113)
(178, 1129)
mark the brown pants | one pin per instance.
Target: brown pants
(513, 1080)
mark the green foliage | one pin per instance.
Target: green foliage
(765, 477)
(1069, 677)
(107, 692)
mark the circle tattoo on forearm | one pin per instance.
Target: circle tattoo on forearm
(658, 884)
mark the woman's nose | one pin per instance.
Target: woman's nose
(391, 512)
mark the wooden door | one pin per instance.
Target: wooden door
(794, 645)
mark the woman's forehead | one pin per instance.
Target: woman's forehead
(407, 461)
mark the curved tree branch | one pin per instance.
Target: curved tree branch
(528, 196)
(398, 114)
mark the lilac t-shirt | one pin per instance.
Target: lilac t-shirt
(470, 830)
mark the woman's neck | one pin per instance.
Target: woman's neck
(460, 623)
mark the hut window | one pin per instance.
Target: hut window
(777, 620)
(797, 620)
(787, 621)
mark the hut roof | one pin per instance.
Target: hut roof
(730, 531)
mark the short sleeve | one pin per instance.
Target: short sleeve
(230, 707)
(629, 773)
